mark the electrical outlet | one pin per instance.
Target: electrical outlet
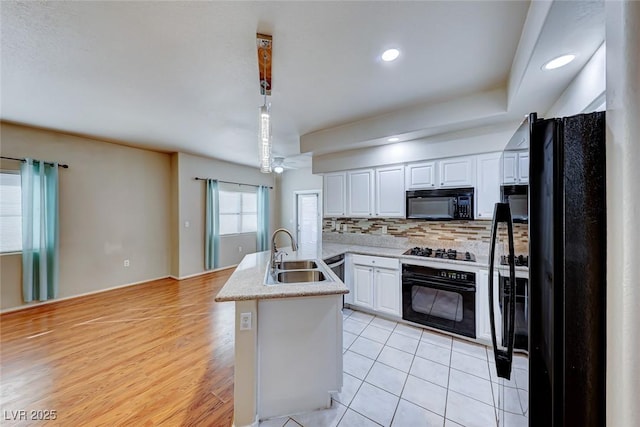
(384, 229)
(239, 248)
(126, 263)
(245, 321)
(187, 224)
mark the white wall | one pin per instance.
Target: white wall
(114, 205)
(474, 141)
(191, 208)
(623, 206)
(587, 88)
(289, 182)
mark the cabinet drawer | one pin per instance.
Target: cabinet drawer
(375, 261)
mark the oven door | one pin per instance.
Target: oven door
(436, 303)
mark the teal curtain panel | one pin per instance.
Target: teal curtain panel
(212, 226)
(40, 230)
(263, 219)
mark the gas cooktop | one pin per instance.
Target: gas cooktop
(442, 253)
(519, 261)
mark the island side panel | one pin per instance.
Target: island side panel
(300, 354)
(246, 367)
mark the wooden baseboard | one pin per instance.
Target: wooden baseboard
(52, 301)
(189, 276)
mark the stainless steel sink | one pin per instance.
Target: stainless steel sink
(298, 271)
(299, 276)
(297, 265)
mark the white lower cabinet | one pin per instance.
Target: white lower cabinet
(376, 283)
(483, 322)
(386, 285)
(363, 285)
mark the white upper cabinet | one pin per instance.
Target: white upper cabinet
(487, 184)
(360, 193)
(515, 167)
(523, 167)
(421, 175)
(335, 194)
(390, 197)
(510, 168)
(457, 172)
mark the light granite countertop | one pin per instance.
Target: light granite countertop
(247, 281)
(330, 249)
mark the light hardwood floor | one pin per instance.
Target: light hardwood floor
(159, 353)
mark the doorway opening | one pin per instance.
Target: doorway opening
(308, 218)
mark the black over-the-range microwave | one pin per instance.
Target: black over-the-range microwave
(441, 205)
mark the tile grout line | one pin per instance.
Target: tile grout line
(365, 376)
(414, 355)
(446, 399)
(406, 379)
(493, 395)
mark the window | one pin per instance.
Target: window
(238, 212)
(10, 212)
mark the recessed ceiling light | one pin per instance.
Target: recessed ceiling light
(558, 62)
(390, 55)
(393, 139)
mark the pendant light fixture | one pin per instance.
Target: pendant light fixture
(264, 121)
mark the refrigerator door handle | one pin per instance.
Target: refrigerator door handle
(503, 358)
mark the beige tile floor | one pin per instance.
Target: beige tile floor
(398, 375)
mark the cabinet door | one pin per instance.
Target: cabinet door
(483, 321)
(482, 307)
(363, 285)
(523, 167)
(457, 172)
(360, 194)
(387, 291)
(390, 197)
(421, 175)
(348, 277)
(487, 185)
(510, 168)
(335, 194)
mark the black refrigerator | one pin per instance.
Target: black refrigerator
(559, 378)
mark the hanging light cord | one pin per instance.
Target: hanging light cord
(264, 82)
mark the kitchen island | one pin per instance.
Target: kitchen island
(288, 340)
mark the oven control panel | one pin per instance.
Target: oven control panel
(424, 272)
(457, 275)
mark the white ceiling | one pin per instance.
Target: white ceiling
(183, 76)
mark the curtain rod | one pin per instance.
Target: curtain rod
(60, 165)
(229, 182)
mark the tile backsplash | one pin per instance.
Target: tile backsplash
(469, 235)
